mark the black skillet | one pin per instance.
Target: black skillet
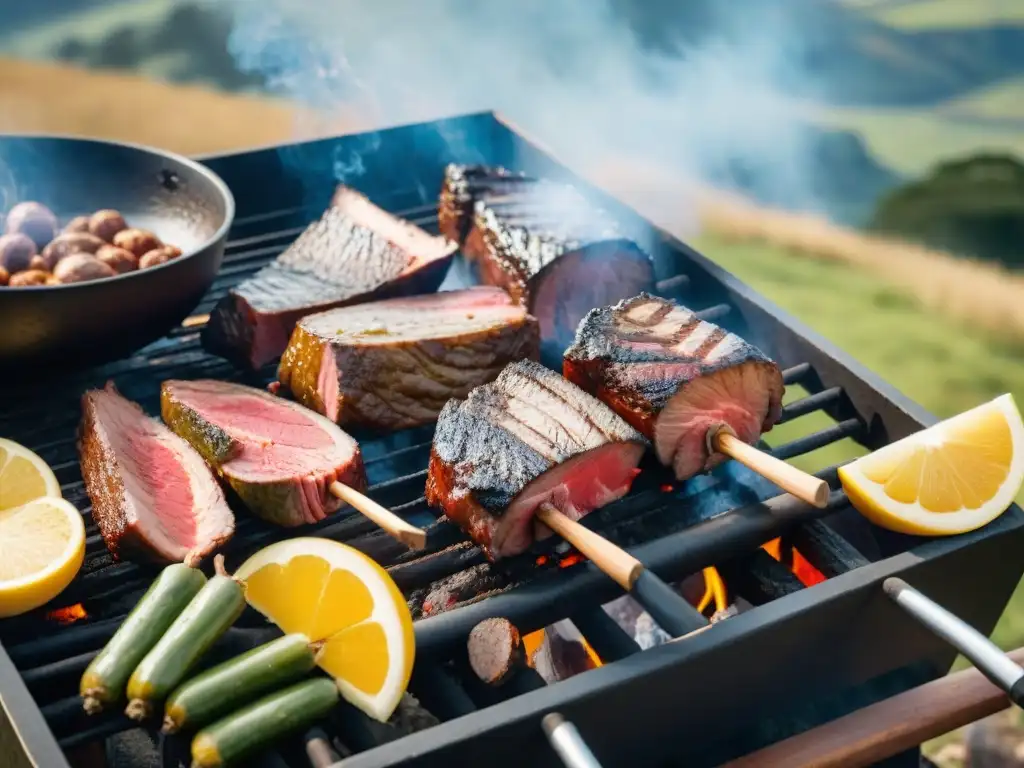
(51, 329)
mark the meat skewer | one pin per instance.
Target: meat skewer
(288, 465)
(394, 364)
(530, 453)
(702, 394)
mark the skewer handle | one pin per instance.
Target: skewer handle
(982, 652)
(410, 535)
(805, 487)
(614, 561)
(568, 743)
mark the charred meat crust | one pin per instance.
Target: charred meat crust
(462, 186)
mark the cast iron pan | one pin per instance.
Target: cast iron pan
(49, 329)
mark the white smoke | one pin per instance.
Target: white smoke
(571, 73)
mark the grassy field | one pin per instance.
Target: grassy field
(942, 14)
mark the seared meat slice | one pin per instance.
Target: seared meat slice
(394, 364)
(463, 185)
(355, 252)
(278, 457)
(556, 253)
(152, 496)
(526, 438)
(674, 376)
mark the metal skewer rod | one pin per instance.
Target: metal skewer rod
(986, 656)
(567, 742)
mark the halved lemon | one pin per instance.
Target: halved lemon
(953, 477)
(42, 546)
(23, 476)
(334, 593)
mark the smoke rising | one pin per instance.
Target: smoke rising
(575, 74)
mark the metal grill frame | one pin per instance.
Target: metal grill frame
(840, 639)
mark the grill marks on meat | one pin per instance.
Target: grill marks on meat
(394, 364)
(528, 437)
(548, 246)
(279, 457)
(463, 185)
(355, 252)
(674, 376)
(153, 498)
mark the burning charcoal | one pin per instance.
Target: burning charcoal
(495, 651)
(647, 633)
(464, 585)
(562, 654)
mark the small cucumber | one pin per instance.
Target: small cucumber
(198, 627)
(228, 686)
(104, 680)
(237, 736)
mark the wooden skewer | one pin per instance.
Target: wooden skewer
(410, 535)
(195, 321)
(805, 487)
(668, 608)
(889, 727)
(614, 561)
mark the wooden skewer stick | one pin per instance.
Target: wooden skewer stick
(805, 487)
(668, 608)
(614, 561)
(889, 727)
(410, 535)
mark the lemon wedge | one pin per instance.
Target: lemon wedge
(335, 594)
(953, 477)
(23, 476)
(42, 546)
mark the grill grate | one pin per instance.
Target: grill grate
(721, 519)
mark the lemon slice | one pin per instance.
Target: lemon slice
(23, 476)
(951, 478)
(334, 593)
(42, 546)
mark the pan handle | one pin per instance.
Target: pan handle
(1003, 671)
(567, 742)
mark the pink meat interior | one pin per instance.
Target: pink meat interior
(576, 487)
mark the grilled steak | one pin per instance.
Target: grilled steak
(552, 250)
(674, 376)
(463, 185)
(355, 252)
(393, 364)
(278, 457)
(528, 437)
(152, 496)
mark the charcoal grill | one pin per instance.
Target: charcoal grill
(799, 657)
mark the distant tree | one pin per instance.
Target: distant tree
(972, 206)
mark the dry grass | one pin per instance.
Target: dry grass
(51, 98)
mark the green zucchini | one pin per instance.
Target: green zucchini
(198, 627)
(104, 680)
(228, 686)
(256, 727)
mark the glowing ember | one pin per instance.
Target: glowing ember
(68, 615)
(542, 560)
(570, 560)
(714, 590)
(667, 488)
(803, 570)
(533, 641)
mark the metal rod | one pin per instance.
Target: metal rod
(568, 743)
(1003, 671)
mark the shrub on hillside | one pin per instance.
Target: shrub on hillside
(972, 206)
